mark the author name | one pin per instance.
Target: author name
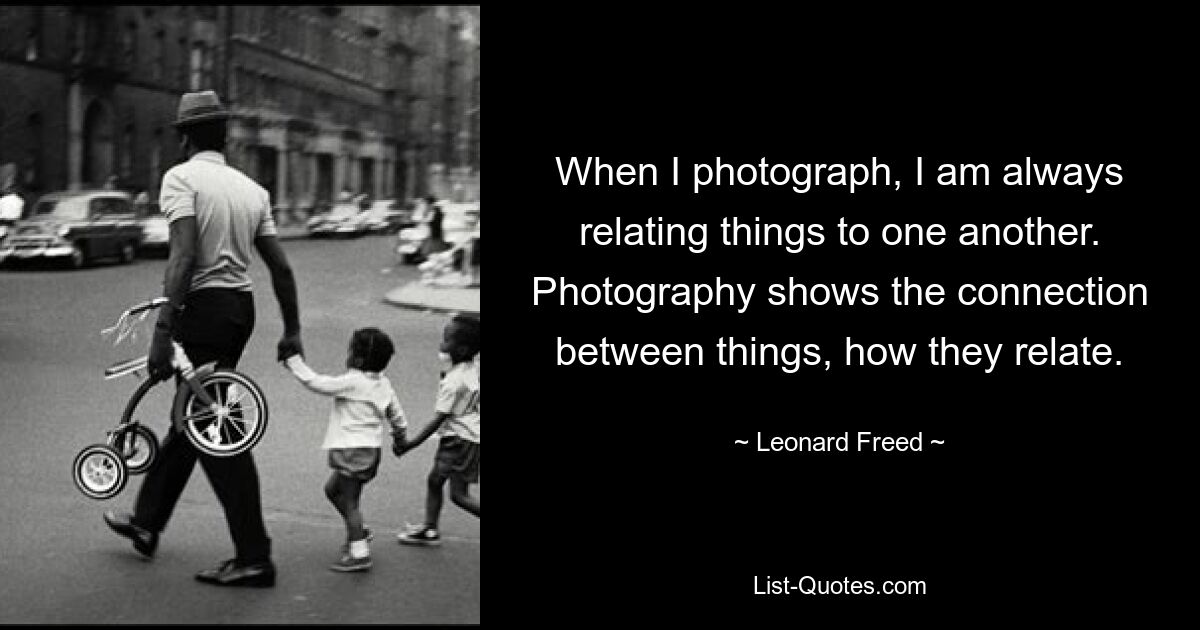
(862, 442)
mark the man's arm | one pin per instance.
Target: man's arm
(181, 264)
(176, 281)
(284, 283)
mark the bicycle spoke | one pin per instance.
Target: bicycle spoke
(238, 399)
(207, 413)
(234, 427)
(244, 421)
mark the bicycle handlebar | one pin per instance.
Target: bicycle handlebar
(125, 325)
(145, 306)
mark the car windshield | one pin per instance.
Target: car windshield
(61, 209)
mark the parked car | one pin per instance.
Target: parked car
(76, 227)
(156, 233)
(387, 216)
(346, 218)
(458, 222)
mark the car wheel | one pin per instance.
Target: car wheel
(78, 256)
(127, 252)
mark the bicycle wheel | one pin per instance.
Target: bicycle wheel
(100, 472)
(138, 445)
(234, 424)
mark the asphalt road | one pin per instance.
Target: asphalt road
(60, 564)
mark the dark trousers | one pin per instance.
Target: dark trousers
(214, 326)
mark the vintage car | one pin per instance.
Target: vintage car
(346, 218)
(156, 233)
(387, 216)
(76, 227)
(458, 224)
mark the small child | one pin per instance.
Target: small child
(457, 415)
(363, 399)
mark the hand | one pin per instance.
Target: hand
(161, 353)
(400, 446)
(290, 345)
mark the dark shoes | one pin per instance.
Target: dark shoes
(350, 564)
(144, 540)
(230, 573)
(423, 536)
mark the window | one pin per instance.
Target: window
(160, 56)
(197, 76)
(129, 45)
(34, 40)
(32, 43)
(127, 152)
(245, 87)
(270, 89)
(267, 25)
(184, 51)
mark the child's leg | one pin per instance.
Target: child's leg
(333, 492)
(351, 490)
(460, 494)
(433, 497)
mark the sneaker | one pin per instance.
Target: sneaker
(368, 536)
(422, 536)
(348, 564)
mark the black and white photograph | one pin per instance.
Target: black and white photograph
(239, 314)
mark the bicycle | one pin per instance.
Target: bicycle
(223, 413)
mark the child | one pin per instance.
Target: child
(457, 415)
(363, 399)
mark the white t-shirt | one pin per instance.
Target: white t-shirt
(231, 211)
(458, 395)
(11, 207)
(362, 402)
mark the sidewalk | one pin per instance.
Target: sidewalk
(292, 231)
(420, 296)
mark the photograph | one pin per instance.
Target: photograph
(277, 209)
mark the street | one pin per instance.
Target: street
(61, 564)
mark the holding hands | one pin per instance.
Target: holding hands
(289, 346)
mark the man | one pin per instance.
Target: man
(216, 214)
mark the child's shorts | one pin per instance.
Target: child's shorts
(356, 463)
(457, 457)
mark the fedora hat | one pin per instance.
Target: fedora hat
(197, 107)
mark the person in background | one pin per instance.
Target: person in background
(436, 241)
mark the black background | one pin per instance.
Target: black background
(623, 497)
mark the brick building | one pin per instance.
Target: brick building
(371, 99)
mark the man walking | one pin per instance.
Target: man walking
(216, 215)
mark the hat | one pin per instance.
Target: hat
(197, 107)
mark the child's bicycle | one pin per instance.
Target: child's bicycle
(223, 413)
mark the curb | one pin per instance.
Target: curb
(429, 308)
(394, 297)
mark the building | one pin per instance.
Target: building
(371, 99)
(89, 91)
(444, 100)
